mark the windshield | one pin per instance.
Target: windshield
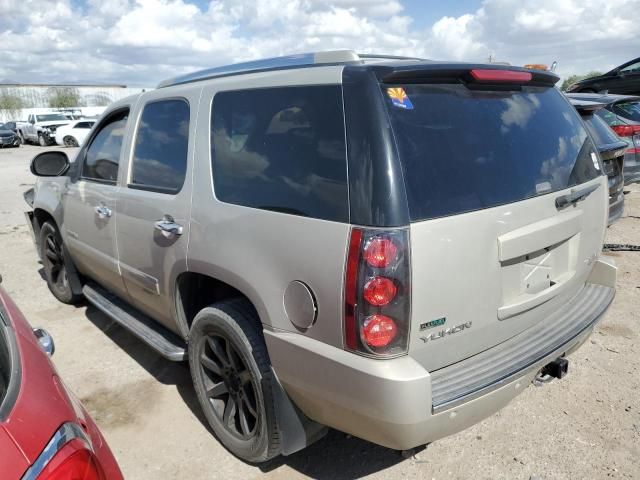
(464, 150)
(50, 117)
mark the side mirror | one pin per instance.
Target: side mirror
(32, 121)
(50, 164)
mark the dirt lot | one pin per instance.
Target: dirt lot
(586, 426)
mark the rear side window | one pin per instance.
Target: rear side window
(160, 152)
(281, 149)
(464, 150)
(628, 110)
(600, 131)
(103, 154)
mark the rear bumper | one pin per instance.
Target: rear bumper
(398, 404)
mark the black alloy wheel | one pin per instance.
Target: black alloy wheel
(230, 386)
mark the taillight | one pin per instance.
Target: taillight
(380, 252)
(626, 130)
(377, 292)
(72, 462)
(67, 456)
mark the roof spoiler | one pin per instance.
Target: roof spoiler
(480, 74)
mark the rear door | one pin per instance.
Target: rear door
(154, 205)
(492, 254)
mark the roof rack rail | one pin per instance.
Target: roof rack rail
(375, 56)
(331, 57)
(275, 63)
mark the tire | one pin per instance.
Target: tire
(42, 141)
(56, 264)
(70, 141)
(230, 366)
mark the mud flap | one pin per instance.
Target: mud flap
(604, 273)
(298, 431)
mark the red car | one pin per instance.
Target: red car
(45, 433)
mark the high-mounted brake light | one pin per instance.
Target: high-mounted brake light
(506, 76)
(377, 292)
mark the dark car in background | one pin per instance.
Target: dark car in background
(8, 138)
(45, 433)
(624, 79)
(622, 114)
(611, 149)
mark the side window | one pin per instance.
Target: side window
(633, 68)
(103, 154)
(160, 152)
(85, 125)
(281, 149)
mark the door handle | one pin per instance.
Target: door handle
(168, 226)
(103, 211)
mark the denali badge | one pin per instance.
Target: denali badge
(448, 331)
(433, 323)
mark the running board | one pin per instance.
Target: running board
(163, 341)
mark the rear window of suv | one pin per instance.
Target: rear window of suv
(464, 150)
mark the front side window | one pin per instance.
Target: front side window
(281, 149)
(103, 154)
(160, 152)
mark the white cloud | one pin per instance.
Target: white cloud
(143, 41)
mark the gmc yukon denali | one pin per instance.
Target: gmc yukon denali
(391, 247)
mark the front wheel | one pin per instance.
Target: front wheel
(55, 264)
(232, 376)
(42, 141)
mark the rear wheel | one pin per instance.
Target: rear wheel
(55, 264)
(232, 377)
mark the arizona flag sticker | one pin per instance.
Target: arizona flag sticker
(399, 98)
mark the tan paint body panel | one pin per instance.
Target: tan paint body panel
(457, 273)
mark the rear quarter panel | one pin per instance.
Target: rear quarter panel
(260, 252)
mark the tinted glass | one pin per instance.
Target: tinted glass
(465, 150)
(50, 117)
(628, 110)
(103, 155)
(160, 153)
(633, 68)
(281, 149)
(600, 131)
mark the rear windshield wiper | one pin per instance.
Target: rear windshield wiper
(574, 197)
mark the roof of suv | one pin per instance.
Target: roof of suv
(333, 57)
(388, 68)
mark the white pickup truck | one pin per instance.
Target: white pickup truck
(41, 128)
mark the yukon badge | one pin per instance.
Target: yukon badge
(448, 331)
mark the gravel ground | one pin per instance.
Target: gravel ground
(586, 426)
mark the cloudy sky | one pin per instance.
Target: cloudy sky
(140, 42)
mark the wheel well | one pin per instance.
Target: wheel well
(40, 216)
(194, 291)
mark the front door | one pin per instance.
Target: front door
(89, 223)
(154, 206)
